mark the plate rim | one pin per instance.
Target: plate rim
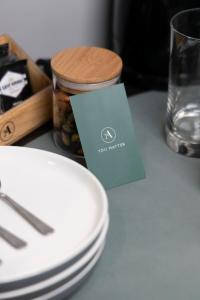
(78, 265)
(78, 278)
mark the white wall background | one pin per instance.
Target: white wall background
(43, 27)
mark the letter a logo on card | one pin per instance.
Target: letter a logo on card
(108, 134)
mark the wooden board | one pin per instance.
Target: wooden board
(33, 112)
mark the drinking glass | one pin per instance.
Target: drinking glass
(183, 105)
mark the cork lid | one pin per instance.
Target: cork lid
(3, 40)
(86, 65)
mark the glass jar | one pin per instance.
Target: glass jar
(78, 70)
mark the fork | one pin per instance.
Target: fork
(11, 239)
(36, 223)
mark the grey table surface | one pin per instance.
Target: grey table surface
(153, 245)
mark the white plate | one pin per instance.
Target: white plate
(64, 275)
(67, 287)
(59, 191)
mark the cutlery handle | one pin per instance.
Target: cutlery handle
(11, 239)
(38, 224)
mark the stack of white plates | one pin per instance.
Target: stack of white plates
(67, 197)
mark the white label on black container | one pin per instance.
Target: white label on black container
(12, 84)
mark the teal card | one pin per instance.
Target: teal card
(107, 135)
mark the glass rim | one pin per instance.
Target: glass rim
(182, 12)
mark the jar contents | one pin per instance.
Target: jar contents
(66, 133)
(15, 84)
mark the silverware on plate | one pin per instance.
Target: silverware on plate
(11, 239)
(38, 224)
